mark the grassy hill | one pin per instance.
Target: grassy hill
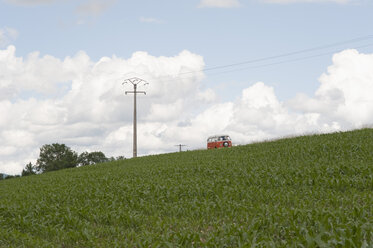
(312, 191)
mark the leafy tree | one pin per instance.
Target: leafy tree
(120, 158)
(89, 158)
(111, 159)
(29, 170)
(56, 157)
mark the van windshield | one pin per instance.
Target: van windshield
(218, 138)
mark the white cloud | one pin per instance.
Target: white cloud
(219, 4)
(81, 103)
(345, 93)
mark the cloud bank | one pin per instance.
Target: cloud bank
(81, 103)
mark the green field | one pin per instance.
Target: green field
(311, 191)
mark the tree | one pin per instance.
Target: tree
(120, 158)
(11, 176)
(56, 157)
(89, 158)
(111, 159)
(29, 170)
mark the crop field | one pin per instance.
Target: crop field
(310, 191)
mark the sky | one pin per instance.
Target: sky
(253, 69)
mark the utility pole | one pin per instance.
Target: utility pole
(135, 81)
(180, 145)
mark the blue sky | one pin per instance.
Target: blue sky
(62, 63)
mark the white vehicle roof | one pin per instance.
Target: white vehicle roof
(218, 135)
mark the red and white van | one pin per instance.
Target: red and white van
(219, 141)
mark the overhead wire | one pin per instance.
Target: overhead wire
(288, 61)
(283, 55)
(209, 70)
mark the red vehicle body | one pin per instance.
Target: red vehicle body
(219, 141)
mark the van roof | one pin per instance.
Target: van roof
(218, 135)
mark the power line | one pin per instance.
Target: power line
(183, 75)
(207, 69)
(268, 64)
(283, 55)
(285, 61)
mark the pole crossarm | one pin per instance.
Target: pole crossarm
(135, 81)
(135, 92)
(180, 145)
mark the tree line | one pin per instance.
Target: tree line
(59, 156)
